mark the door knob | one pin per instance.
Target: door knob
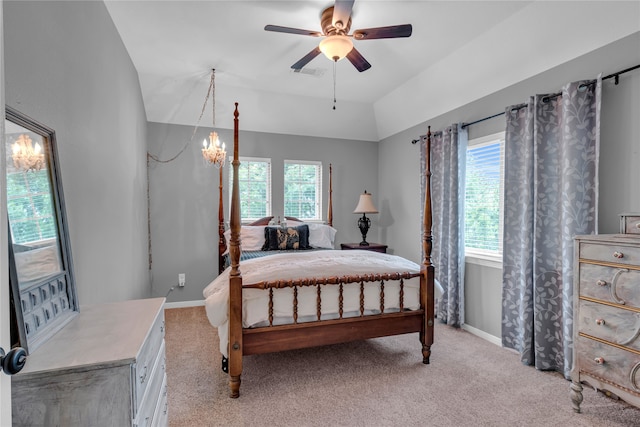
(14, 361)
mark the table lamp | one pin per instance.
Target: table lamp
(365, 206)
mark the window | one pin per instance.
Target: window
(483, 209)
(254, 177)
(29, 207)
(303, 189)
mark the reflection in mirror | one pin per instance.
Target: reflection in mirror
(43, 292)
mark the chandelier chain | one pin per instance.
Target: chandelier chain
(195, 129)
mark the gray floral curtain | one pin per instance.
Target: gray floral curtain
(448, 160)
(551, 191)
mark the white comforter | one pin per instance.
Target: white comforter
(315, 264)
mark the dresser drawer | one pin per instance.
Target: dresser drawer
(612, 324)
(630, 223)
(609, 252)
(617, 366)
(617, 285)
(161, 414)
(157, 376)
(142, 369)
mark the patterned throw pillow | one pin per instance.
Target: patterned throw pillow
(286, 238)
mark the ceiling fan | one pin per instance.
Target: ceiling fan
(336, 23)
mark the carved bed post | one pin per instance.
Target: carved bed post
(222, 243)
(330, 209)
(426, 269)
(235, 277)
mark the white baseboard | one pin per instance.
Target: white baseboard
(183, 304)
(482, 334)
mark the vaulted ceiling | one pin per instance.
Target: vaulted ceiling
(459, 51)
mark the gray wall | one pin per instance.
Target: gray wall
(184, 196)
(399, 165)
(67, 68)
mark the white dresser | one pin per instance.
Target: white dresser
(105, 368)
(606, 350)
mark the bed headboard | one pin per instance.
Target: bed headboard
(222, 241)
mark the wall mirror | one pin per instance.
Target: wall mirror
(43, 294)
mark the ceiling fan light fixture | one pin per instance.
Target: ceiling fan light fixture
(336, 47)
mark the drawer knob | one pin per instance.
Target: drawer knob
(143, 375)
(599, 360)
(637, 224)
(599, 322)
(601, 282)
(618, 255)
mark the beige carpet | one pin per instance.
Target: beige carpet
(379, 382)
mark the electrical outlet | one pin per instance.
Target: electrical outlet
(181, 279)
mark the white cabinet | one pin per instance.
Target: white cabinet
(105, 368)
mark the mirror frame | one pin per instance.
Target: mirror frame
(19, 336)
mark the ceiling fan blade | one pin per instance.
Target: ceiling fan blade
(341, 13)
(306, 59)
(390, 32)
(289, 30)
(358, 60)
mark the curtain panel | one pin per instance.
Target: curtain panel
(551, 191)
(448, 160)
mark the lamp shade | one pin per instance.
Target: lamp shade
(365, 204)
(336, 47)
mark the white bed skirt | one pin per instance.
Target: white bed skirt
(317, 264)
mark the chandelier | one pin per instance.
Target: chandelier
(27, 156)
(213, 150)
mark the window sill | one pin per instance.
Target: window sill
(492, 261)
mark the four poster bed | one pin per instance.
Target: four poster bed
(290, 301)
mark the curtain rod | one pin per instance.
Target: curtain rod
(615, 76)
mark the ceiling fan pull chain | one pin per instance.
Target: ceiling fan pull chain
(334, 84)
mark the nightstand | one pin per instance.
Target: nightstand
(376, 247)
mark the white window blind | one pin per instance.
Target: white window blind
(484, 196)
(303, 189)
(254, 178)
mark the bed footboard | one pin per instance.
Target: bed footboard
(388, 318)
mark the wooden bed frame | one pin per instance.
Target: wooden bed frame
(270, 339)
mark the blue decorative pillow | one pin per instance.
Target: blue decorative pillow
(286, 238)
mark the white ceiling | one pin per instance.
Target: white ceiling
(458, 52)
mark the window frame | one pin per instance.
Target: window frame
(318, 188)
(483, 256)
(269, 183)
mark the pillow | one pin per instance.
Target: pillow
(320, 235)
(262, 221)
(251, 238)
(286, 238)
